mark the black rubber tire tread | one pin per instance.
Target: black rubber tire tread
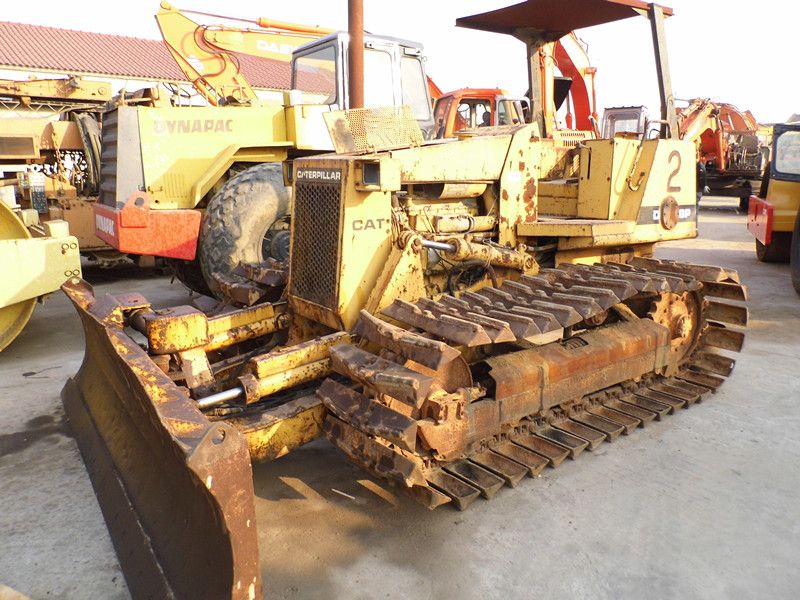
(777, 251)
(762, 192)
(89, 130)
(236, 219)
(744, 204)
(795, 254)
(188, 272)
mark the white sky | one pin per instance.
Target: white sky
(736, 51)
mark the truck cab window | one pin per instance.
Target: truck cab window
(316, 72)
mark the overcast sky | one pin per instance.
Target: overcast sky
(736, 51)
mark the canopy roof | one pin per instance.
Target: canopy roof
(556, 17)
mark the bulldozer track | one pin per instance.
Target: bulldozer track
(534, 311)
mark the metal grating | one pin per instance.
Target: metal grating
(315, 245)
(570, 138)
(363, 130)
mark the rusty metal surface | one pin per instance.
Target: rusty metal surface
(275, 432)
(171, 484)
(271, 272)
(451, 328)
(374, 456)
(531, 380)
(556, 399)
(556, 17)
(462, 493)
(368, 415)
(380, 375)
(721, 337)
(431, 353)
(355, 53)
(241, 293)
(448, 424)
(363, 130)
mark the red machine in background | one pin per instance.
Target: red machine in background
(567, 98)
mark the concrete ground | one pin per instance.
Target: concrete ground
(705, 504)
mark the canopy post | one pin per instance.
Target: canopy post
(668, 114)
(535, 86)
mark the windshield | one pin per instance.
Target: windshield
(622, 122)
(378, 88)
(787, 153)
(415, 87)
(316, 72)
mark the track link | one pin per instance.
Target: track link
(386, 426)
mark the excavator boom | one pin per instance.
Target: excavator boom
(210, 55)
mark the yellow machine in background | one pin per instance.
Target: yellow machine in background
(35, 259)
(774, 216)
(215, 191)
(50, 141)
(459, 314)
(49, 167)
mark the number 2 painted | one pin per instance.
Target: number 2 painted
(673, 188)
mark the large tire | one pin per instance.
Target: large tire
(236, 221)
(777, 250)
(795, 255)
(188, 272)
(702, 180)
(765, 177)
(89, 130)
(744, 204)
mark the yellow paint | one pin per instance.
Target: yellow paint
(291, 377)
(36, 266)
(785, 198)
(185, 150)
(285, 359)
(401, 277)
(281, 437)
(32, 267)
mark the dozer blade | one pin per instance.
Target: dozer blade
(175, 489)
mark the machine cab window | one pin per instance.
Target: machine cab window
(630, 120)
(414, 86)
(316, 72)
(473, 113)
(787, 154)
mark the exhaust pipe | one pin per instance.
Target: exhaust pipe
(355, 53)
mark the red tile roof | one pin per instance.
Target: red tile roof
(86, 53)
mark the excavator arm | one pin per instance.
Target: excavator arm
(208, 54)
(573, 62)
(710, 124)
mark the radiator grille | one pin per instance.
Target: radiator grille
(315, 247)
(18, 147)
(108, 158)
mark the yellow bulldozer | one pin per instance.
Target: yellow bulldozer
(459, 315)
